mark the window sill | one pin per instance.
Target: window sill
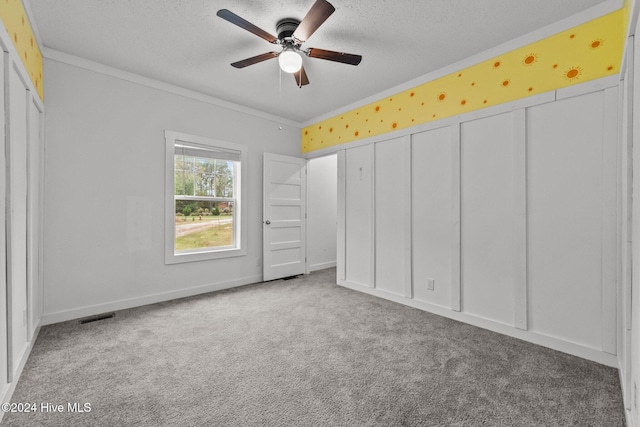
(179, 258)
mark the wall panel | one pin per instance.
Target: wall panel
(431, 213)
(565, 148)
(34, 212)
(392, 195)
(359, 215)
(487, 207)
(17, 261)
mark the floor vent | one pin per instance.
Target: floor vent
(96, 318)
(290, 277)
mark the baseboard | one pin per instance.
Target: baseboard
(76, 313)
(7, 393)
(568, 347)
(322, 266)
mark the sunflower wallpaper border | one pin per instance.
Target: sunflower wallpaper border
(15, 20)
(586, 52)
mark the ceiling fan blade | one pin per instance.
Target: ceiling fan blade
(255, 59)
(318, 13)
(330, 55)
(301, 77)
(243, 23)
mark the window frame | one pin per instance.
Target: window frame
(239, 216)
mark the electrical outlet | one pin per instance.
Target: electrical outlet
(431, 283)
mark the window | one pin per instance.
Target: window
(204, 198)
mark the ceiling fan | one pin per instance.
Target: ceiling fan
(292, 33)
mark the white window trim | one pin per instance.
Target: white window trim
(240, 216)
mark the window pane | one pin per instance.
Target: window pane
(202, 176)
(202, 224)
(183, 172)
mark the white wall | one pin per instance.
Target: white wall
(322, 208)
(512, 219)
(104, 204)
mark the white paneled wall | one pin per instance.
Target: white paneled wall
(504, 220)
(21, 211)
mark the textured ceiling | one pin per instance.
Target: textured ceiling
(184, 43)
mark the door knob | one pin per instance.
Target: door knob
(267, 222)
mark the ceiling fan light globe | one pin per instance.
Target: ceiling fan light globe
(290, 61)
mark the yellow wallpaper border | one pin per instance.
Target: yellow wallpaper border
(586, 52)
(15, 20)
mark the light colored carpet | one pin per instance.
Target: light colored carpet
(305, 352)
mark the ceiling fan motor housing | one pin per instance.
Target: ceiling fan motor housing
(286, 27)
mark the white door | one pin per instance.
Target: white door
(284, 216)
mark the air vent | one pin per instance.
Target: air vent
(96, 318)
